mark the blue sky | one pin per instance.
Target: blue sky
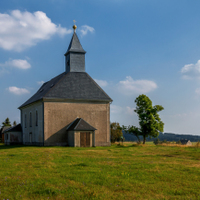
(133, 47)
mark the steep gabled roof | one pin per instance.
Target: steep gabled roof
(70, 86)
(75, 45)
(80, 124)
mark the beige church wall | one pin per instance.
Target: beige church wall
(13, 138)
(37, 131)
(57, 115)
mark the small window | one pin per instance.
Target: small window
(36, 118)
(30, 119)
(25, 121)
(6, 136)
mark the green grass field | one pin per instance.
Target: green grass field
(116, 172)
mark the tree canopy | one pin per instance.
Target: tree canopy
(149, 120)
(116, 132)
(6, 122)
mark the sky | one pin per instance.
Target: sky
(133, 47)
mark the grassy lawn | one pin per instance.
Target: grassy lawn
(116, 172)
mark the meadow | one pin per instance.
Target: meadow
(118, 172)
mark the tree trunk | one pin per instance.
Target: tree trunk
(144, 139)
(138, 139)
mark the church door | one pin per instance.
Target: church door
(85, 139)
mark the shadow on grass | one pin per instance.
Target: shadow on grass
(17, 146)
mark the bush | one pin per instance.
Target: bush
(178, 142)
(197, 144)
(157, 141)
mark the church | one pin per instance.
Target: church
(71, 109)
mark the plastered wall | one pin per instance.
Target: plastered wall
(57, 115)
(37, 131)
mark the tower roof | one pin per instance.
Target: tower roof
(75, 45)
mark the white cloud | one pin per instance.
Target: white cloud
(85, 29)
(116, 109)
(191, 71)
(20, 30)
(20, 64)
(18, 91)
(130, 110)
(122, 110)
(40, 82)
(197, 91)
(130, 86)
(101, 83)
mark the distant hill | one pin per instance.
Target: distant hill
(164, 136)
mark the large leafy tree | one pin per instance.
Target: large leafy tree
(149, 120)
(116, 131)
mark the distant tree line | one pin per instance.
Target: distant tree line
(164, 137)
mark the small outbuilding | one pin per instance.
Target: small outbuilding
(80, 134)
(2, 132)
(186, 142)
(13, 135)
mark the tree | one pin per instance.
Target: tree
(14, 123)
(149, 120)
(132, 130)
(116, 131)
(6, 122)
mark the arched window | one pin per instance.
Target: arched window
(30, 119)
(25, 121)
(36, 118)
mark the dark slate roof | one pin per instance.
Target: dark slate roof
(70, 86)
(75, 45)
(80, 124)
(16, 128)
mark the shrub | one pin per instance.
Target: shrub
(178, 142)
(157, 141)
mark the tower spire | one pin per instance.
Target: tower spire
(75, 55)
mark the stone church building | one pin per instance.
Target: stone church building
(69, 110)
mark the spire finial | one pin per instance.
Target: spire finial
(74, 27)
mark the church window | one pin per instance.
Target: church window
(30, 119)
(36, 118)
(25, 121)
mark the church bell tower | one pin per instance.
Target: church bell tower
(75, 55)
